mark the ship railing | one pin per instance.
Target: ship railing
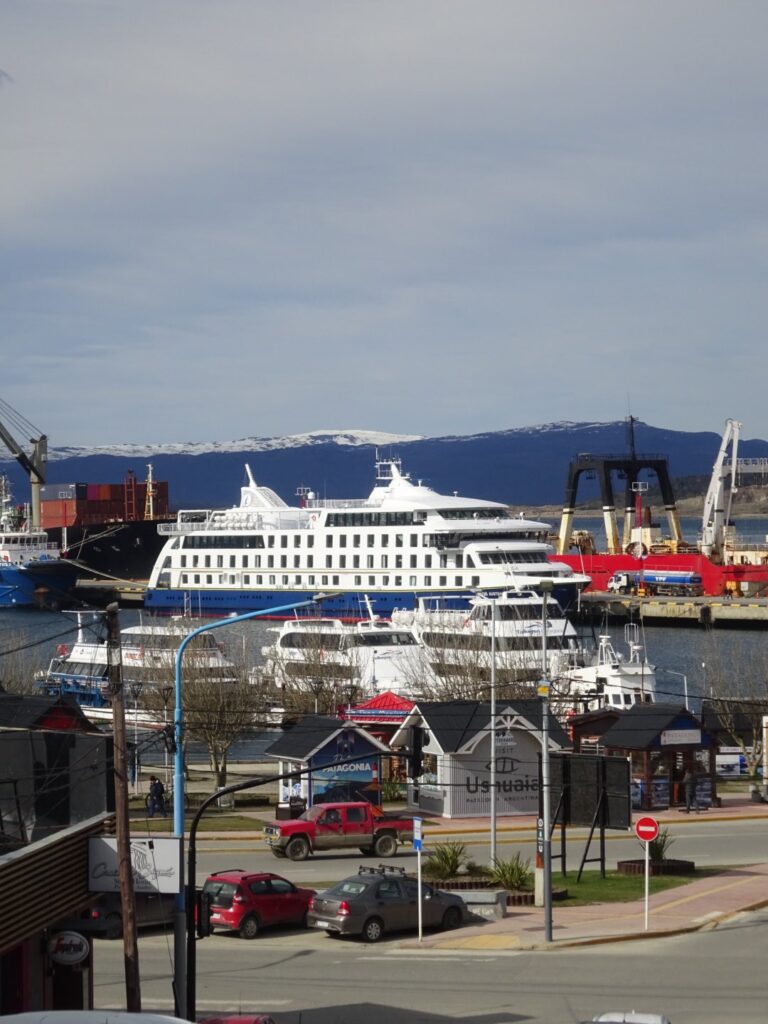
(234, 521)
(337, 503)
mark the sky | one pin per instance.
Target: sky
(225, 219)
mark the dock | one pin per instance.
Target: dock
(704, 612)
(127, 593)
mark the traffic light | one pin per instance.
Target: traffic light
(413, 752)
(203, 913)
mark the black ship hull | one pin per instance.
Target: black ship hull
(124, 551)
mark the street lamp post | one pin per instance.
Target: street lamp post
(684, 677)
(136, 693)
(180, 915)
(546, 590)
(493, 732)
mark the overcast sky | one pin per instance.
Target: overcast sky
(221, 219)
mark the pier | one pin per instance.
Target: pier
(704, 612)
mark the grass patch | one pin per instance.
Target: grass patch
(221, 822)
(616, 888)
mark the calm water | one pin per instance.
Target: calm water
(28, 641)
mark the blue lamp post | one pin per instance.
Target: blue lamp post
(179, 933)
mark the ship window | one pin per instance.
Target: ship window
(398, 581)
(358, 581)
(272, 580)
(329, 561)
(384, 540)
(411, 581)
(310, 561)
(470, 562)
(197, 577)
(371, 581)
(323, 581)
(355, 561)
(245, 561)
(259, 580)
(310, 542)
(459, 561)
(459, 581)
(335, 581)
(442, 581)
(232, 561)
(355, 540)
(343, 540)
(414, 561)
(207, 562)
(427, 561)
(370, 540)
(475, 581)
(398, 561)
(427, 581)
(285, 581)
(329, 540)
(297, 541)
(414, 540)
(195, 561)
(342, 561)
(283, 561)
(385, 581)
(246, 579)
(398, 540)
(270, 561)
(384, 561)
(311, 581)
(369, 561)
(271, 541)
(297, 580)
(209, 577)
(184, 578)
(183, 561)
(283, 541)
(296, 561)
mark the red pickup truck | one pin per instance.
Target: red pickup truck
(339, 826)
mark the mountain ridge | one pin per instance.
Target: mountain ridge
(520, 466)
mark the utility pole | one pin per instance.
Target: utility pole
(125, 866)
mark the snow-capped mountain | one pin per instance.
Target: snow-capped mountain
(524, 466)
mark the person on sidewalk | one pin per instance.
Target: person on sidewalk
(689, 784)
(156, 800)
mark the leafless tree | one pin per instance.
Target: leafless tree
(737, 680)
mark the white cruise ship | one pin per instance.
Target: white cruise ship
(404, 541)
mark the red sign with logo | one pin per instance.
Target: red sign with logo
(646, 829)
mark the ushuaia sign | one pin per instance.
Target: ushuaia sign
(468, 777)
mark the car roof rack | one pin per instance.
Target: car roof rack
(382, 869)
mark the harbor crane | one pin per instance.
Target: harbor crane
(35, 464)
(717, 513)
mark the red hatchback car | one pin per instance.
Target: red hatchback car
(247, 901)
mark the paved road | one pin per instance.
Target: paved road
(305, 978)
(706, 842)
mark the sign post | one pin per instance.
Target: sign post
(646, 830)
(417, 822)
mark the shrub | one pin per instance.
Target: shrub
(512, 874)
(476, 870)
(658, 847)
(445, 860)
(392, 790)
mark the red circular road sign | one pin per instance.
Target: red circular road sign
(646, 829)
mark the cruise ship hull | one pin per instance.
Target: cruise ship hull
(350, 606)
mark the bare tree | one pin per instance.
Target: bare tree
(738, 694)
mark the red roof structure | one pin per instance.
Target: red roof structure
(384, 709)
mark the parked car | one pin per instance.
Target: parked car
(383, 899)
(246, 901)
(105, 915)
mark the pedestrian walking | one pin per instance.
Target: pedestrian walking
(156, 798)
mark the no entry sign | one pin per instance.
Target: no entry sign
(646, 829)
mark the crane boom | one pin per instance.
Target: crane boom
(716, 516)
(34, 465)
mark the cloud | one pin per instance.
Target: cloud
(431, 217)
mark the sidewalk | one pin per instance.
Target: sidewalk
(703, 903)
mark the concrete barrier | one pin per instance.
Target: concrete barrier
(489, 904)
